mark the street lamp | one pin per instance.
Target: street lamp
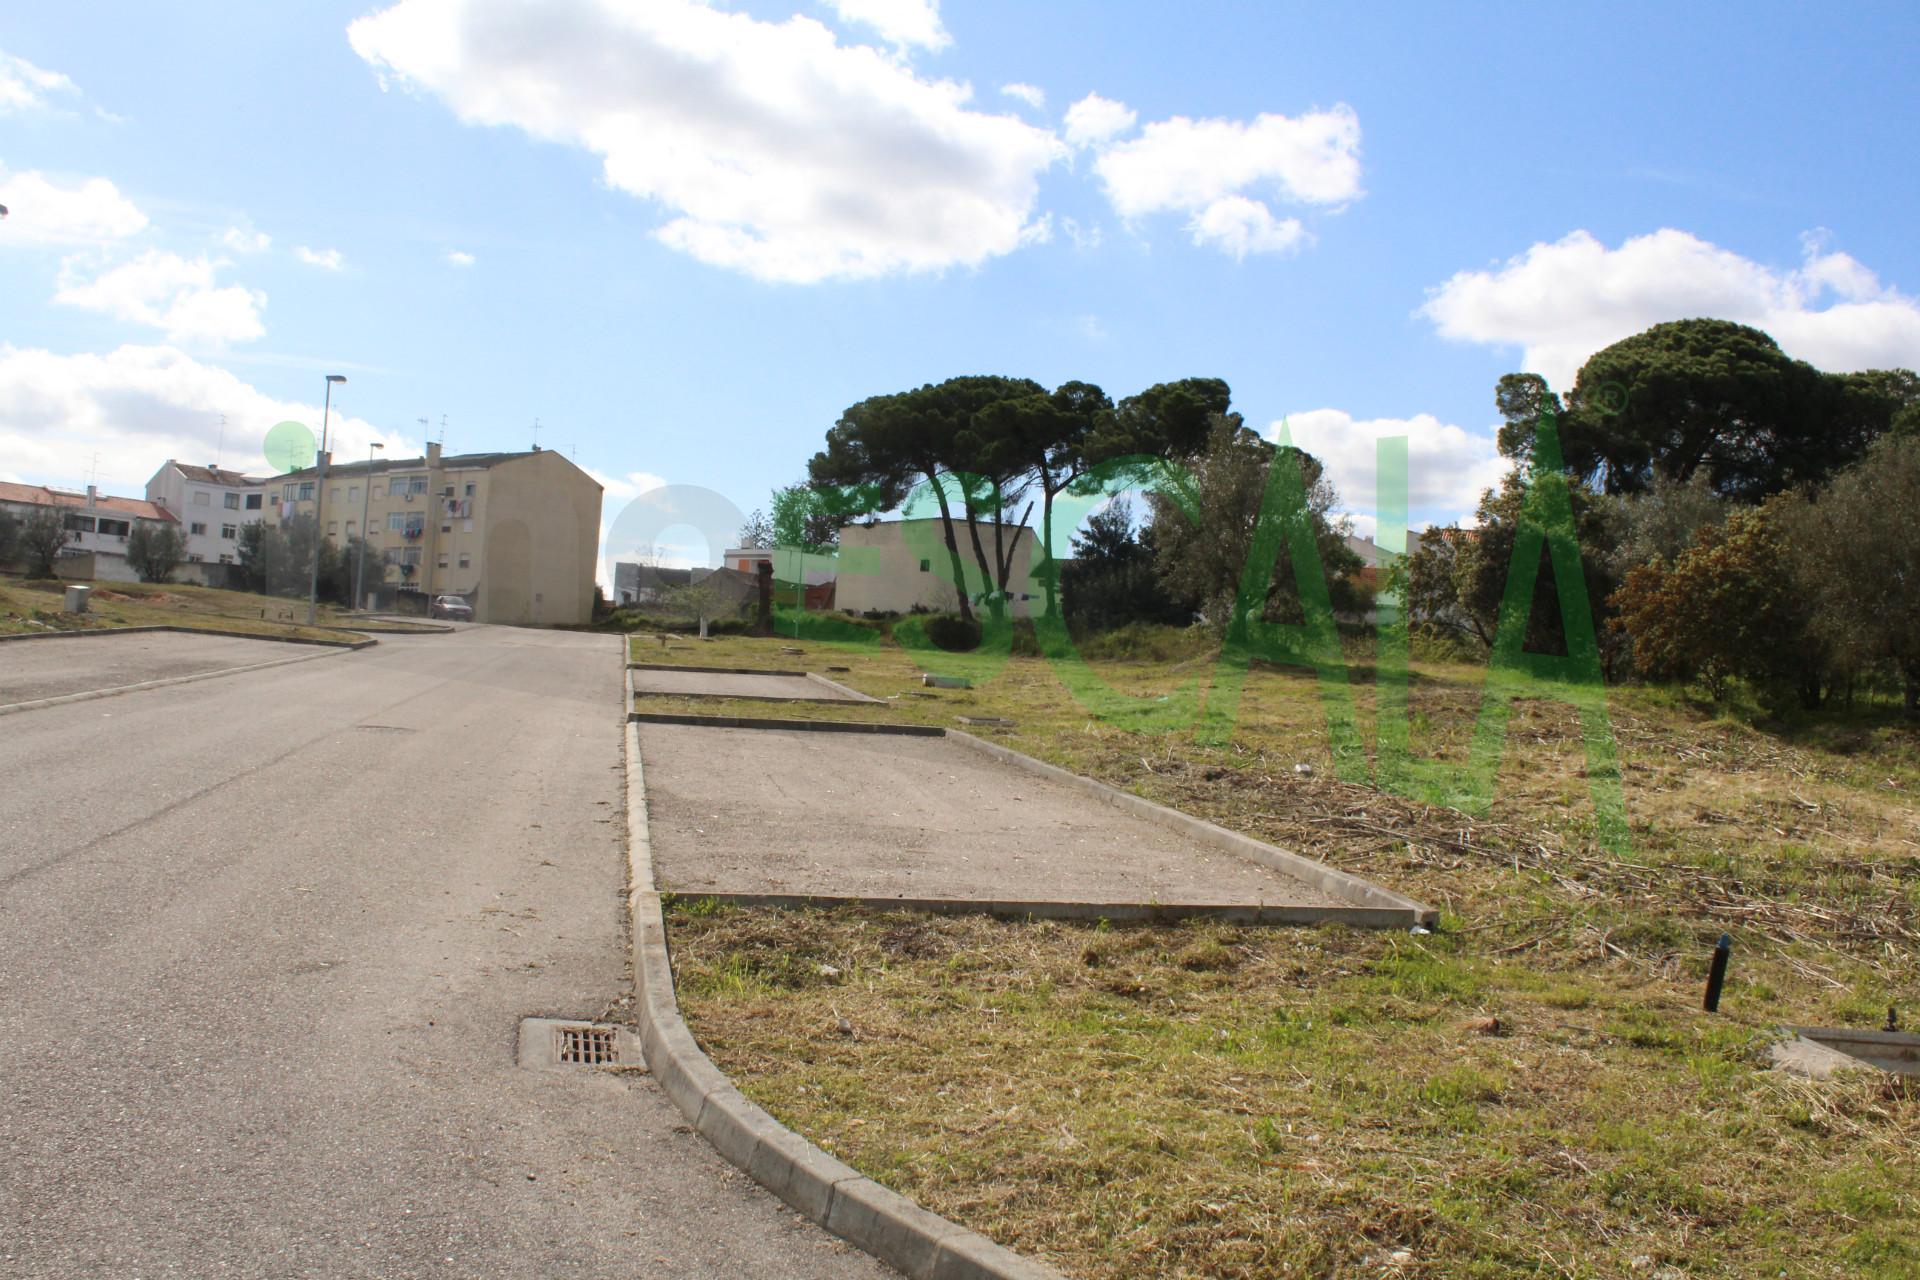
(360, 555)
(319, 494)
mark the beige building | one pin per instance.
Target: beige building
(516, 534)
(892, 566)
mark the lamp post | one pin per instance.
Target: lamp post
(319, 495)
(360, 554)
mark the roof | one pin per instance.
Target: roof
(1371, 554)
(38, 495)
(214, 475)
(451, 462)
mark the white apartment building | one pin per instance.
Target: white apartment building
(212, 505)
(98, 524)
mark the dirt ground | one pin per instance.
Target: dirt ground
(717, 684)
(50, 668)
(884, 816)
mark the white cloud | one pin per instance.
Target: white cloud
(1031, 94)
(775, 150)
(246, 240)
(140, 405)
(899, 22)
(325, 259)
(177, 295)
(1205, 168)
(1562, 302)
(459, 258)
(49, 211)
(625, 487)
(1239, 226)
(1095, 119)
(25, 87)
(1083, 235)
(1448, 467)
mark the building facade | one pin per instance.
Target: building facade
(212, 506)
(98, 524)
(896, 566)
(516, 534)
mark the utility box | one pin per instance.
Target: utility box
(77, 599)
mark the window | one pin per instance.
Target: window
(201, 498)
(286, 493)
(379, 491)
(194, 559)
(443, 560)
(229, 532)
(466, 526)
(447, 492)
(353, 493)
(333, 528)
(350, 528)
(446, 528)
(466, 561)
(196, 528)
(115, 528)
(226, 559)
(79, 524)
(469, 489)
(253, 501)
(231, 500)
(926, 566)
(396, 521)
(306, 491)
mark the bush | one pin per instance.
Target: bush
(839, 628)
(938, 631)
(1148, 642)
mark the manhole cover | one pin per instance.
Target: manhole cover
(547, 1044)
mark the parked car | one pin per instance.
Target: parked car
(454, 608)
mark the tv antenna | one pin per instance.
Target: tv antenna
(220, 451)
(536, 435)
(424, 426)
(443, 430)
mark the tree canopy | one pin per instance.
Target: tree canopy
(1706, 396)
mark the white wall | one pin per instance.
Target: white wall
(880, 566)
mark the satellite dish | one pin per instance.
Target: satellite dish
(290, 446)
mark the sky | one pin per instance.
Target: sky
(683, 236)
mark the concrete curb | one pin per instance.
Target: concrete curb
(754, 722)
(1118, 912)
(859, 1210)
(711, 671)
(835, 685)
(197, 631)
(88, 695)
(1390, 908)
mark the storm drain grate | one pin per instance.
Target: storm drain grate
(548, 1044)
(586, 1046)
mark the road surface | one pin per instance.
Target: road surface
(265, 941)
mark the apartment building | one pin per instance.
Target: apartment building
(98, 524)
(212, 505)
(516, 534)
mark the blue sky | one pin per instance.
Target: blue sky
(685, 236)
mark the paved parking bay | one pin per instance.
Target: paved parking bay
(729, 684)
(882, 816)
(34, 669)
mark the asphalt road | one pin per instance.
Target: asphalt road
(265, 941)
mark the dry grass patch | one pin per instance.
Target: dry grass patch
(1608, 1128)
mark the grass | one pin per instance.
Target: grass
(1532, 1091)
(27, 602)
